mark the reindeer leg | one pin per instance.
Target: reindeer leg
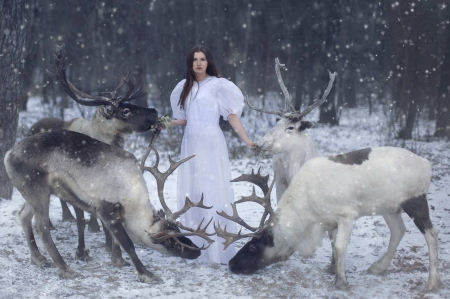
(331, 269)
(417, 209)
(93, 226)
(116, 255)
(66, 214)
(344, 230)
(64, 271)
(39, 199)
(113, 247)
(26, 215)
(395, 223)
(110, 214)
(50, 225)
(108, 238)
(82, 252)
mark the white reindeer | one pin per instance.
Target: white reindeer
(329, 194)
(104, 180)
(112, 121)
(289, 142)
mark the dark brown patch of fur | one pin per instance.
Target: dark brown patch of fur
(352, 158)
(417, 209)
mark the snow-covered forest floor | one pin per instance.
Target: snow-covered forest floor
(296, 278)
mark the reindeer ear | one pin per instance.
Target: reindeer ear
(305, 125)
(267, 238)
(107, 111)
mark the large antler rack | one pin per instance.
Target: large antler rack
(289, 109)
(262, 182)
(168, 215)
(112, 99)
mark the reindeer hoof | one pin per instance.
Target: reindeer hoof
(120, 263)
(342, 285)
(149, 278)
(68, 274)
(376, 269)
(41, 262)
(433, 286)
(83, 255)
(331, 269)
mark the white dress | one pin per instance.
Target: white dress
(209, 171)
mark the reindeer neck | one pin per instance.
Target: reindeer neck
(104, 131)
(302, 151)
(296, 228)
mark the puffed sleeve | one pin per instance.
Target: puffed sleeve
(231, 99)
(177, 112)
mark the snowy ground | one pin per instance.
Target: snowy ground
(296, 278)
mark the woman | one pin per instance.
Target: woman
(197, 103)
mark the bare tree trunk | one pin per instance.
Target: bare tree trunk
(13, 23)
(443, 109)
(30, 54)
(328, 113)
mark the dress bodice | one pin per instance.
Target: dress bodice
(208, 100)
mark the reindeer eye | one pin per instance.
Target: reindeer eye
(252, 248)
(291, 128)
(126, 112)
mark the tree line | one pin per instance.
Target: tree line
(385, 52)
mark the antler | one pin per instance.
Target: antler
(231, 237)
(113, 93)
(260, 181)
(289, 105)
(201, 232)
(79, 96)
(170, 216)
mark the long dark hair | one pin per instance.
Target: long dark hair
(211, 70)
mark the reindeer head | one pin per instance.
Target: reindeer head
(122, 117)
(291, 128)
(253, 255)
(285, 136)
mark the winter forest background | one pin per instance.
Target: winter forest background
(393, 53)
(391, 57)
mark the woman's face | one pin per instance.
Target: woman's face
(200, 64)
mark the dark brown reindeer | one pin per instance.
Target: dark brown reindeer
(106, 181)
(112, 121)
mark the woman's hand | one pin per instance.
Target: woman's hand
(250, 144)
(178, 122)
(162, 123)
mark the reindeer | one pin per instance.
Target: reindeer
(288, 142)
(112, 121)
(329, 194)
(106, 181)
